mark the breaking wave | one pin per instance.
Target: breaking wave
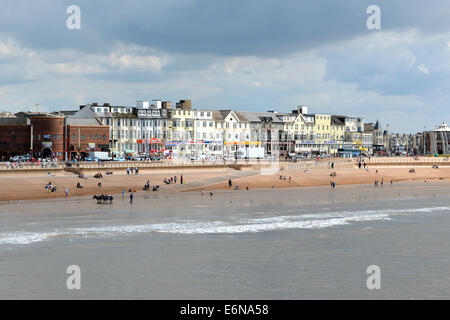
(303, 221)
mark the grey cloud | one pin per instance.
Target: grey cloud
(223, 27)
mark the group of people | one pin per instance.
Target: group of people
(133, 170)
(131, 192)
(376, 182)
(170, 180)
(284, 178)
(147, 186)
(361, 164)
(98, 175)
(50, 188)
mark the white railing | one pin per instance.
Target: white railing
(30, 165)
(411, 160)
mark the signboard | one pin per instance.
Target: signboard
(47, 144)
(91, 145)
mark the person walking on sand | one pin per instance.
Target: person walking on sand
(128, 171)
(123, 193)
(230, 184)
(131, 197)
(67, 193)
(181, 179)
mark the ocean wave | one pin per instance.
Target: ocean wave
(302, 221)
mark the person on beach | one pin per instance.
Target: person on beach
(230, 184)
(332, 165)
(67, 193)
(123, 193)
(131, 197)
(128, 171)
(175, 179)
(181, 179)
(99, 184)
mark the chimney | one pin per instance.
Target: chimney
(166, 105)
(303, 109)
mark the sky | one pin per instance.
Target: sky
(252, 55)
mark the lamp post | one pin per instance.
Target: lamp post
(423, 138)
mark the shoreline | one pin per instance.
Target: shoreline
(288, 196)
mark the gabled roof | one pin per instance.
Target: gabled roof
(261, 116)
(338, 120)
(377, 125)
(84, 117)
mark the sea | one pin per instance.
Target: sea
(274, 244)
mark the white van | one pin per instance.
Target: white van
(100, 155)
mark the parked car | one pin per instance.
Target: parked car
(20, 158)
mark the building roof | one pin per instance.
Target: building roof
(338, 120)
(443, 127)
(260, 116)
(369, 127)
(84, 117)
(14, 121)
(377, 125)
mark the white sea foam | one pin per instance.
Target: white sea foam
(25, 237)
(302, 221)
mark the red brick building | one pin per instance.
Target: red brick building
(52, 135)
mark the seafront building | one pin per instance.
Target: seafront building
(61, 135)
(187, 132)
(437, 141)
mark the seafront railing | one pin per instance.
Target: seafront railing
(299, 164)
(31, 165)
(393, 160)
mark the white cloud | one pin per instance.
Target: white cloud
(141, 63)
(422, 68)
(247, 65)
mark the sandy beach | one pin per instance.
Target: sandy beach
(33, 187)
